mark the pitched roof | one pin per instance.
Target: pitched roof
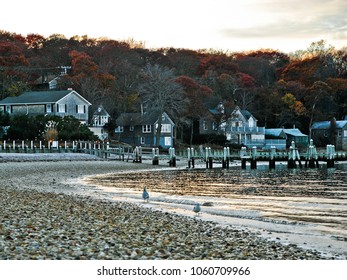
(132, 119)
(246, 114)
(101, 111)
(326, 124)
(293, 132)
(276, 132)
(38, 97)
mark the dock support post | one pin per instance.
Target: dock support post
(243, 153)
(172, 161)
(155, 156)
(191, 163)
(226, 157)
(312, 156)
(209, 159)
(291, 157)
(138, 154)
(272, 164)
(254, 158)
(330, 156)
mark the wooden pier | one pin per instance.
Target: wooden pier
(309, 158)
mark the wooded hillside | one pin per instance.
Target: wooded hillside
(279, 89)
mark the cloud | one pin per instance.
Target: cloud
(294, 19)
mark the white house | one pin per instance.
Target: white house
(242, 128)
(99, 119)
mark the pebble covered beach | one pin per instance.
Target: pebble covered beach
(45, 216)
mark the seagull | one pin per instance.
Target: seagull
(197, 209)
(145, 194)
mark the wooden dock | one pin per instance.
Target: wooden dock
(309, 158)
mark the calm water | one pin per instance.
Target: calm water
(312, 201)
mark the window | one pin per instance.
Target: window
(119, 129)
(215, 126)
(146, 128)
(339, 133)
(8, 109)
(166, 128)
(49, 108)
(131, 128)
(142, 140)
(167, 141)
(61, 108)
(345, 133)
(80, 109)
(204, 125)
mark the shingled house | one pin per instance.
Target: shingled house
(99, 119)
(59, 103)
(139, 129)
(242, 128)
(328, 132)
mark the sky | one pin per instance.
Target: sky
(229, 25)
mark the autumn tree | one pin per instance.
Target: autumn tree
(317, 101)
(161, 93)
(93, 85)
(12, 68)
(198, 97)
(262, 65)
(339, 94)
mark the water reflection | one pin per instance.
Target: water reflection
(321, 182)
(292, 196)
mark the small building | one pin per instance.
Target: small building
(59, 103)
(99, 119)
(282, 138)
(242, 129)
(328, 132)
(139, 129)
(214, 122)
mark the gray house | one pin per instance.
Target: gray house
(214, 121)
(59, 103)
(140, 129)
(325, 133)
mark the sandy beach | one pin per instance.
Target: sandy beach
(48, 211)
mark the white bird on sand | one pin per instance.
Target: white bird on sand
(197, 209)
(145, 194)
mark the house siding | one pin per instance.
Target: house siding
(71, 101)
(31, 103)
(28, 110)
(320, 134)
(133, 137)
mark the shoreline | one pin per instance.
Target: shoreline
(63, 183)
